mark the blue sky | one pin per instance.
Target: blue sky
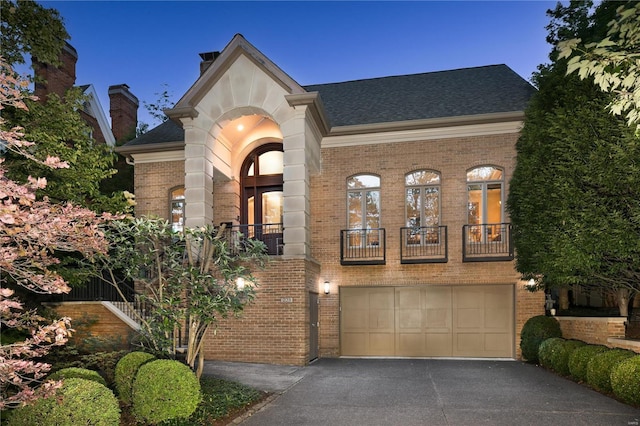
(150, 44)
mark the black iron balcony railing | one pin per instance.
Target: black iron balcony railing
(423, 244)
(271, 234)
(363, 246)
(487, 242)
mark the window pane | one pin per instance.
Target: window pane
(373, 209)
(251, 218)
(177, 194)
(484, 173)
(413, 207)
(272, 207)
(494, 203)
(177, 215)
(250, 171)
(474, 205)
(363, 181)
(422, 177)
(271, 163)
(431, 207)
(354, 200)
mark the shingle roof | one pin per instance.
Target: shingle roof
(452, 93)
(169, 131)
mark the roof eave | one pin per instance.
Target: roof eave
(428, 123)
(128, 150)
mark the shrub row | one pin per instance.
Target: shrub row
(156, 390)
(608, 370)
(605, 369)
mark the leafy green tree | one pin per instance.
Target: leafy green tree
(612, 61)
(574, 196)
(61, 131)
(29, 28)
(184, 278)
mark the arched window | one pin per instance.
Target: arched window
(262, 196)
(485, 186)
(363, 201)
(485, 192)
(422, 205)
(176, 208)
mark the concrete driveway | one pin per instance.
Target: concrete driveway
(422, 392)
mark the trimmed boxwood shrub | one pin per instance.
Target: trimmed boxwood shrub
(580, 358)
(560, 357)
(535, 331)
(600, 367)
(78, 373)
(79, 402)
(625, 380)
(547, 349)
(165, 389)
(125, 373)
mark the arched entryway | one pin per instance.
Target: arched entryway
(261, 207)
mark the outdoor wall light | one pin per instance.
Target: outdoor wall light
(531, 283)
(327, 287)
(240, 283)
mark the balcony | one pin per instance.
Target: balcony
(363, 246)
(423, 244)
(271, 234)
(487, 242)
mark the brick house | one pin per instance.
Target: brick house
(381, 202)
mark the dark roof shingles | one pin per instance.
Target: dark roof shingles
(452, 93)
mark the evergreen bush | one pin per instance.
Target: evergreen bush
(78, 373)
(560, 357)
(600, 367)
(625, 380)
(535, 331)
(125, 373)
(165, 389)
(547, 349)
(79, 402)
(580, 358)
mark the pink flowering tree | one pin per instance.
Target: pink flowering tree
(32, 231)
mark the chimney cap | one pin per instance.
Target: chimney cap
(209, 56)
(124, 90)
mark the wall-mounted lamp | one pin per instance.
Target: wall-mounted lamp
(531, 283)
(327, 287)
(240, 283)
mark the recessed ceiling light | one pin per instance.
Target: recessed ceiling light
(240, 127)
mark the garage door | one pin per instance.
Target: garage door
(461, 321)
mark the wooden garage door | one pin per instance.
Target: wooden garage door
(464, 321)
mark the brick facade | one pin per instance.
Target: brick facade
(152, 184)
(93, 319)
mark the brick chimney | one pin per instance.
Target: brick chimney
(207, 59)
(124, 112)
(52, 79)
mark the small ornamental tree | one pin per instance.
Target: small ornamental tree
(185, 279)
(32, 232)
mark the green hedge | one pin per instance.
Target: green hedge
(600, 367)
(546, 350)
(535, 331)
(165, 389)
(625, 380)
(560, 358)
(580, 358)
(79, 402)
(78, 373)
(125, 373)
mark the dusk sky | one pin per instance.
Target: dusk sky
(150, 44)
